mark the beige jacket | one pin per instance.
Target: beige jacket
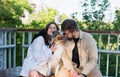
(88, 53)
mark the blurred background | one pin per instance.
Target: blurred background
(21, 19)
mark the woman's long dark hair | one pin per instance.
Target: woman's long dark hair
(43, 33)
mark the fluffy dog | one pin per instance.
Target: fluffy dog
(55, 62)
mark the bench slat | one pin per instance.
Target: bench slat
(11, 72)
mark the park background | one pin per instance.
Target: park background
(91, 15)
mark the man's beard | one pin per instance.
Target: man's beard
(71, 37)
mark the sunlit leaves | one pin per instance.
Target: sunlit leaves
(117, 20)
(11, 10)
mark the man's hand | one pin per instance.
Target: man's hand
(73, 73)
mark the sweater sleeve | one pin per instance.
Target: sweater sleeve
(40, 51)
(92, 55)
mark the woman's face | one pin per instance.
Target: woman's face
(51, 29)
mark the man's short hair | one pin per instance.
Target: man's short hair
(69, 24)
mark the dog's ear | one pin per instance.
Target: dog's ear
(53, 35)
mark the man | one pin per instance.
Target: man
(81, 54)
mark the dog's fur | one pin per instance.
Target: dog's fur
(55, 63)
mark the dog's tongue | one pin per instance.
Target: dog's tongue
(62, 38)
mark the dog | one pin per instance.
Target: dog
(55, 63)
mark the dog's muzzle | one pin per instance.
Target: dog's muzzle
(64, 38)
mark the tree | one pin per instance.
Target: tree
(94, 9)
(93, 15)
(11, 10)
(116, 22)
(40, 19)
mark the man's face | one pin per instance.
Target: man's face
(68, 34)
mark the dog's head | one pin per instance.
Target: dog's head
(58, 37)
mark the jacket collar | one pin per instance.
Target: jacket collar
(81, 34)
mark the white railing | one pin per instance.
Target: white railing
(14, 43)
(7, 48)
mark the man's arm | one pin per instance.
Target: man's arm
(92, 55)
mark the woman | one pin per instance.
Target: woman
(39, 52)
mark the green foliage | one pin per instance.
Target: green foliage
(108, 42)
(112, 64)
(11, 10)
(93, 15)
(94, 10)
(95, 25)
(116, 22)
(40, 19)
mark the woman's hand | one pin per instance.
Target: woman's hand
(53, 47)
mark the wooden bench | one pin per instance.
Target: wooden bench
(12, 72)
